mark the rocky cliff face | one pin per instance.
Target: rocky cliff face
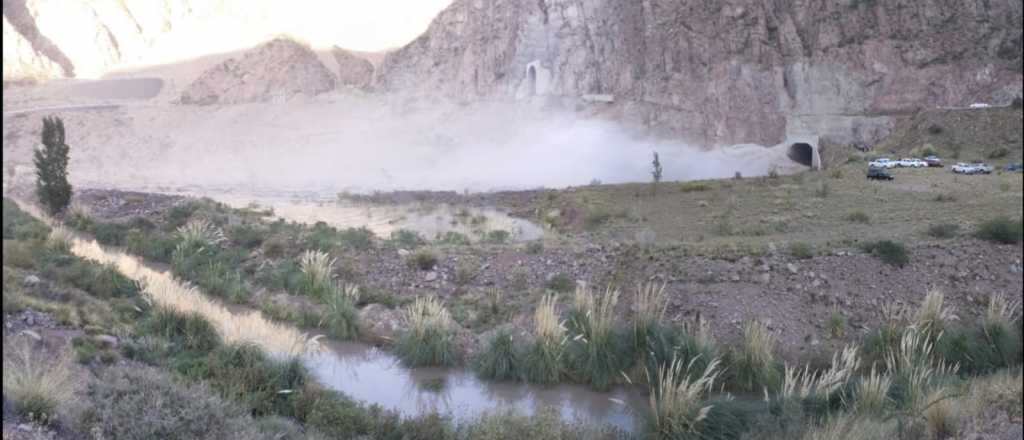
(727, 71)
(275, 71)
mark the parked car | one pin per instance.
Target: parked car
(933, 162)
(980, 105)
(972, 168)
(882, 162)
(912, 163)
(964, 168)
(1015, 168)
(876, 173)
(983, 168)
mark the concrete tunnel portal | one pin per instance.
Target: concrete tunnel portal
(805, 154)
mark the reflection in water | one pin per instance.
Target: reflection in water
(370, 375)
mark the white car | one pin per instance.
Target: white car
(980, 105)
(971, 168)
(883, 162)
(912, 163)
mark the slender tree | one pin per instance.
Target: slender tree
(51, 162)
(655, 173)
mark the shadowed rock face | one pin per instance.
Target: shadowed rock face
(278, 70)
(726, 72)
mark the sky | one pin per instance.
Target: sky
(365, 25)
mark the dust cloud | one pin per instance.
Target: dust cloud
(321, 146)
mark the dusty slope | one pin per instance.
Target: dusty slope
(275, 71)
(724, 72)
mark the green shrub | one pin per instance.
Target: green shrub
(997, 153)
(246, 236)
(889, 251)
(695, 186)
(498, 236)
(321, 237)
(561, 283)
(340, 316)
(535, 247)
(430, 337)
(245, 374)
(423, 259)
(274, 247)
(143, 403)
(217, 280)
(19, 225)
(1000, 230)
(943, 230)
(466, 271)
(154, 246)
(356, 238)
(596, 217)
(499, 359)
(406, 239)
(454, 239)
(110, 234)
(186, 330)
(801, 250)
(858, 217)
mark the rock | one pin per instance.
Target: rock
(379, 323)
(403, 252)
(792, 268)
(32, 334)
(24, 427)
(31, 280)
(352, 70)
(760, 69)
(764, 278)
(30, 320)
(430, 276)
(274, 71)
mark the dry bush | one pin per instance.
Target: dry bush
(38, 383)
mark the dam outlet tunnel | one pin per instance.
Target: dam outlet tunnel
(805, 154)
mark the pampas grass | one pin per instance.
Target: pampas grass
(754, 363)
(677, 403)
(36, 382)
(317, 274)
(649, 305)
(199, 233)
(932, 315)
(59, 239)
(597, 356)
(542, 362)
(872, 393)
(429, 339)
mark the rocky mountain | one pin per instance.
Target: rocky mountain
(275, 71)
(723, 72)
(352, 70)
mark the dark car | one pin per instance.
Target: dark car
(1015, 168)
(933, 162)
(878, 174)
